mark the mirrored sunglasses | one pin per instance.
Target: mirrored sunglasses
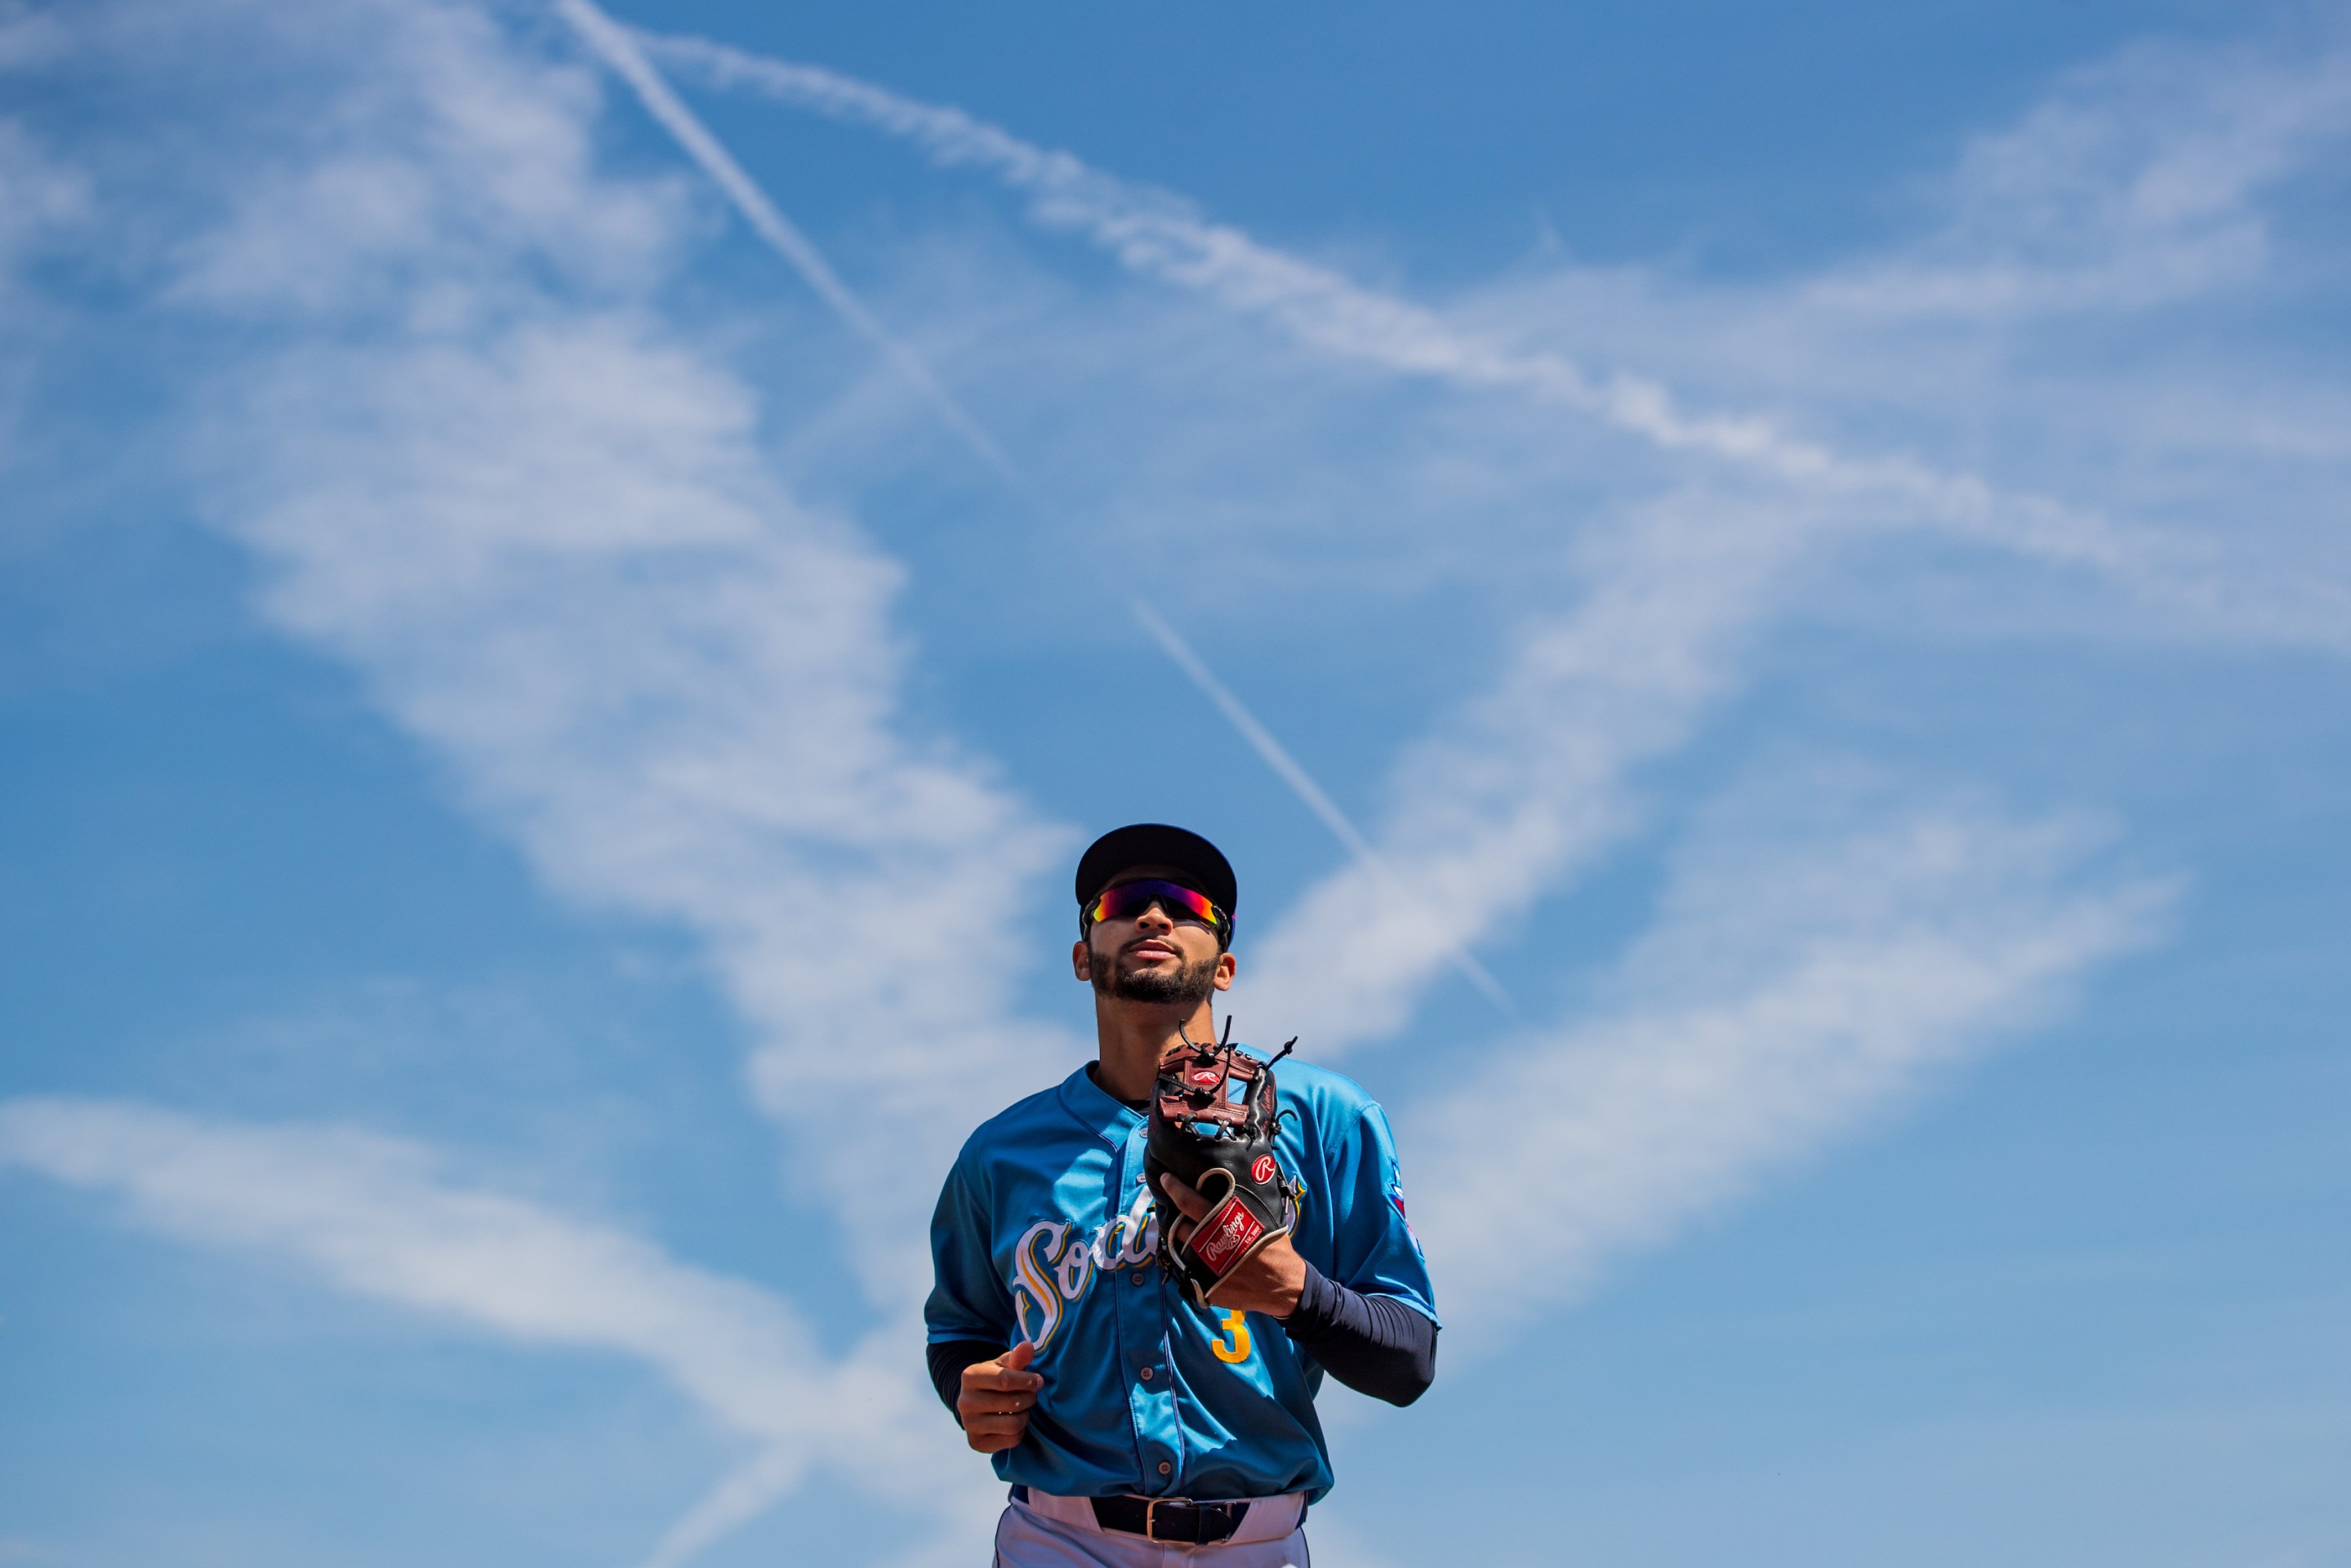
(1129, 899)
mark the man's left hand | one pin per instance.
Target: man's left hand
(1269, 1282)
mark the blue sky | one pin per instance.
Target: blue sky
(572, 583)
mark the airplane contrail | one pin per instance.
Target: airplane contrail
(1288, 768)
(1158, 234)
(618, 45)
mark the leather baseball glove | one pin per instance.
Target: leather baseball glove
(1213, 1119)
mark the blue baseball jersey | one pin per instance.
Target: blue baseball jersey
(1045, 1231)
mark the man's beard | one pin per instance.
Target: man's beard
(1190, 984)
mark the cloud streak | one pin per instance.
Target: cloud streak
(1817, 957)
(380, 1218)
(1510, 798)
(2136, 183)
(552, 546)
(384, 1220)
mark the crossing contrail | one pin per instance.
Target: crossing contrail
(1288, 768)
(618, 47)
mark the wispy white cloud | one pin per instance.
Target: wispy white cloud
(1817, 956)
(557, 561)
(383, 1218)
(2087, 309)
(2137, 181)
(387, 1220)
(540, 524)
(371, 227)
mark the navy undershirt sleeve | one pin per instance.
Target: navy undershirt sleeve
(949, 1357)
(1374, 1344)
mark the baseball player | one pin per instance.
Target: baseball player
(1139, 1351)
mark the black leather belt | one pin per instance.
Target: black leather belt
(1170, 1519)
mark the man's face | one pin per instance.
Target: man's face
(1154, 956)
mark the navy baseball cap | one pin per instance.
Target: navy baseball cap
(1157, 843)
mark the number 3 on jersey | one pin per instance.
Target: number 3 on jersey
(1234, 1347)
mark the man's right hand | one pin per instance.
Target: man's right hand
(997, 1398)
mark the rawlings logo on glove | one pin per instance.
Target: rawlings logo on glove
(1213, 1119)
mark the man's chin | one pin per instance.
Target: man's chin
(1170, 984)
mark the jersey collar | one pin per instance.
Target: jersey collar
(1096, 1111)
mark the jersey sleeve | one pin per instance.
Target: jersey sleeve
(969, 1300)
(1374, 1251)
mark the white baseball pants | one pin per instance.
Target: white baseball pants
(1060, 1532)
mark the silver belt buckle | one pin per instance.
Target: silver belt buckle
(1151, 1514)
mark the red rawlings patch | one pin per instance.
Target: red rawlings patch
(1227, 1237)
(1263, 1170)
(1204, 1077)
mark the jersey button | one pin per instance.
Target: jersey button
(1164, 1466)
(1138, 1276)
(1146, 1375)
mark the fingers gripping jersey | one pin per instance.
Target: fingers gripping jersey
(1045, 1231)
